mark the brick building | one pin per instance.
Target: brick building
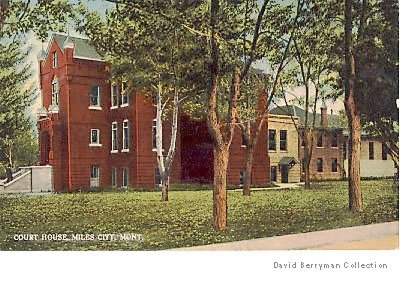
(327, 151)
(96, 134)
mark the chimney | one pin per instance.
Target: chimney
(324, 115)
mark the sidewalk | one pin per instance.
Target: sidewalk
(383, 236)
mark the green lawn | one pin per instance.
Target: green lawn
(186, 219)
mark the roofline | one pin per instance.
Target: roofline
(282, 116)
(86, 58)
(62, 49)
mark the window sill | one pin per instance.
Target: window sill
(273, 151)
(93, 107)
(124, 104)
(125, 150)
(243, 146)
(95, 145)
(114, 107)
(114, 151)
(155, 150)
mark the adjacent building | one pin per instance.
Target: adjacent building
(283, 148)
(95, 133)
(374, 158)
(327, 150)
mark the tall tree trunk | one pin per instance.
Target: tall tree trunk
(353, 115)
(249, 169)
(220, 196)
(307, 159)
(164, 189)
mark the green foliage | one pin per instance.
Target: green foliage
(185, 220)
(147, 47)
(19, 17)
(17, 140)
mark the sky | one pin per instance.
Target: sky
(101, 6)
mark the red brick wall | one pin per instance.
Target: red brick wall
(237, 159)
(71, 154)
(327, 152)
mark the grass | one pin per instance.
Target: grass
(186, 219)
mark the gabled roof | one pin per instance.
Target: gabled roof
(82, 48)
(293, 110)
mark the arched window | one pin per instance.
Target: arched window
(54, 91)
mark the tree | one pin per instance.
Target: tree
(15, 127)
(159, 61)
(17, 141)
(18, 17)
(258, 89)
(352, 110)
(377, 63)
(225, 27)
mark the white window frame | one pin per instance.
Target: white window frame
(94, 176)
(125, 173)
(114, 87)
(125, 136)
(124, 94)
(98, 105)
(55, 60)
(157, 176)
(114, 177)
(241, 177)
(153, 135)
(54, 91)
(114, 138)
(97, 142)
(337, 165)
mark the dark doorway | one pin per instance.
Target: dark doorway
(197, 151)
(285, 173)
(44, 148)
(273, 173)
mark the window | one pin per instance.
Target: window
(371, 151)
(157, 176)
(303, 137)
(125, 135)
(243, 140)
(94, 176)
(334, 140)
(319, 140)
(114, 137)
(114, 173)
(124, 94)
(273, 173)
(334, 165)
(114, 96)
(303, 165)
(271, 140)
(344, 150)
(94, 136)
(154, 133)
(95, 96)
(55, 60)
(384, 151)
(320, 165)
(241, 177)
(283, 140)
(54, 91)
(125, 177)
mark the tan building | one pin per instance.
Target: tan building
(283, 149)
(375, 161)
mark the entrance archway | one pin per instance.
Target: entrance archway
(44, 148)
